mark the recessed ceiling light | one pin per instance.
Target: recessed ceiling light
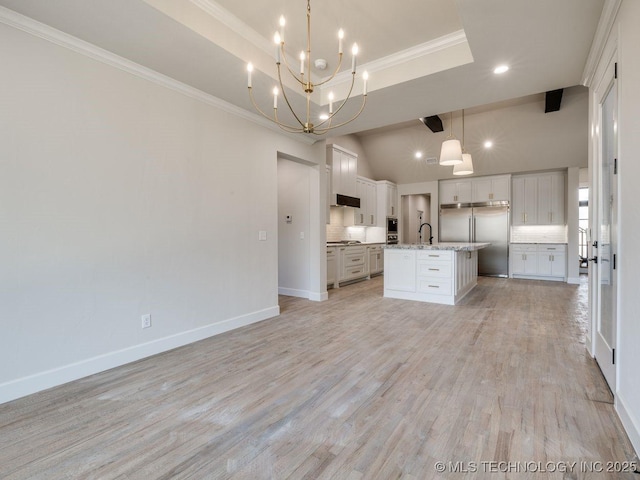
(500, 69)
(418, 155)
(488, 144)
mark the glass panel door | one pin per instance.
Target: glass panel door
(607, 239)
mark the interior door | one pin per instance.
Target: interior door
(607, 235)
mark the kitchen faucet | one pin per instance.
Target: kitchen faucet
(430, 233)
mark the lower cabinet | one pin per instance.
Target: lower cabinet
(331, 266)
(435, 272)
(544, 261)
(376, 259)
(353, 262)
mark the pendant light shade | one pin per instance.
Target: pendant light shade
(451, 152)
(464, 168)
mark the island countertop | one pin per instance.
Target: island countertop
(455, 246)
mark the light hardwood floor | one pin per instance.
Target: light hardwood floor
(359, 387)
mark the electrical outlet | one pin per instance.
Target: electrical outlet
(146, 321)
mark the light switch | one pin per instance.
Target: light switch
(262, 235)
(301, 235)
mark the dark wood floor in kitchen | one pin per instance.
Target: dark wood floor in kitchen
(359, 387)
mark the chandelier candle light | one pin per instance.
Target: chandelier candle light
(466, 167)
(305, 124)
(451, 152)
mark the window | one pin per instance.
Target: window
(583, 224)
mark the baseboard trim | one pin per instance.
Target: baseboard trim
(319, 296)
(573, 280)
(629, 422)
(22, 387)
(294, 292)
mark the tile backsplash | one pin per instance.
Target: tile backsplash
(539, 234)
(336, 231)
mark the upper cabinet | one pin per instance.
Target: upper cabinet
(472, 190)
(491, 189)
(387, 201)
(328, 193)
(344, 170)
(367, 214)
(551, 193)
(455, 191)
(539, 199)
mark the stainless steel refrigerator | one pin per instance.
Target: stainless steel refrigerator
(480, 222)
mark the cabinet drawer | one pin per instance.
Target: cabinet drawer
(435, 255)
(551, 248)
(353, 271)
(523, 248)
(353, 259)
(437, 286)
(434, 269)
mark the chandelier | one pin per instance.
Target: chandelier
(303, 122)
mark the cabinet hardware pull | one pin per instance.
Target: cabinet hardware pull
(355, 259)
(434, 286)
(356, 271)
(436, 256)
(434, 269)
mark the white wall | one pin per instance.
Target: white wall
(626, 36)
(120, 197)
(294, 273)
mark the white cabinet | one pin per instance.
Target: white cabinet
(491, 189)
(328, 193)
(344, 169)
(387, 194)
(366, 215)
(552, 260)
(353, 263)
(376, 259)
(400, 271)
(551, 199)
(481, 189)
(538, 261)
(538, 199)
(331, 266)
(429, 275)
(455, 191)
(524, 200)
(524, 259)
(435, 272)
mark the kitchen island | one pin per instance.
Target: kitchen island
(440, 273)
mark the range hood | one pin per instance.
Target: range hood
(346, 201)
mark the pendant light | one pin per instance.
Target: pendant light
(451, 153)
(466, 167)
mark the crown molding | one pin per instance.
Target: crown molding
(50, 34)
(605, 25)
(234, 23)
(404, 56)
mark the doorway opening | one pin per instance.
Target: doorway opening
(416, 210)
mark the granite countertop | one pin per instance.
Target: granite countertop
(341, 244)
(538, 243)
(467, 247)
